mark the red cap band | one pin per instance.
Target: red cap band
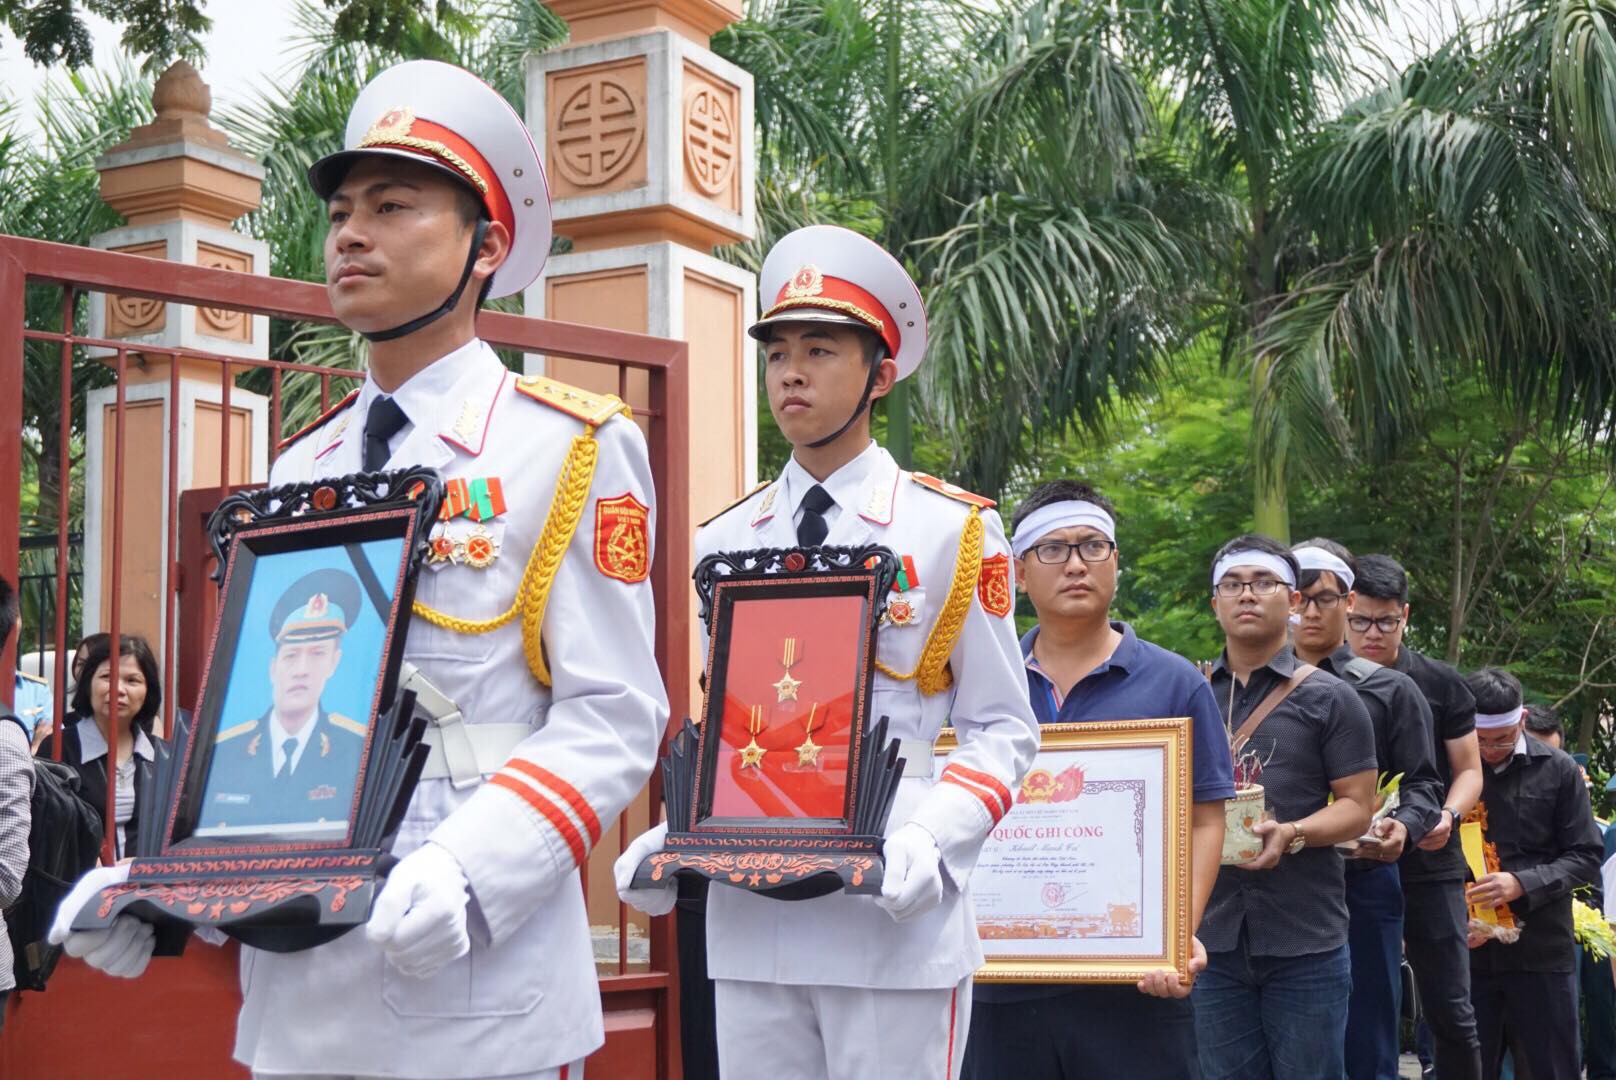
(401, 129)
(808, 288)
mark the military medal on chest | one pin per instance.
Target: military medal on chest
(467, 533)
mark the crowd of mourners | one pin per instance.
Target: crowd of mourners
(1373, 759)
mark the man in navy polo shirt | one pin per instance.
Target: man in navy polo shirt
(1083, 666)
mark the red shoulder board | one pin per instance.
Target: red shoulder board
(953, 491)
(318, 421)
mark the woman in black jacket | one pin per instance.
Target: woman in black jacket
(84, 731)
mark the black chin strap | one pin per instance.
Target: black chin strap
(448, 305)
(864, 403)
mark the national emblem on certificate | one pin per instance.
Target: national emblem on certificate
(1086, 879)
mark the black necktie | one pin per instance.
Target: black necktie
(813, 527)
(288, 748)
(384, 421)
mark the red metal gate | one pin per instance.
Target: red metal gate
(179, 1018)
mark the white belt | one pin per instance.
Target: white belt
(465, 753)
(919, 757)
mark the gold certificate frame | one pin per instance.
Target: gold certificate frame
(1087, 878)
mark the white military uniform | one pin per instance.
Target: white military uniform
(847, 941)
(526, 997)
(834, 987)
(544, 768)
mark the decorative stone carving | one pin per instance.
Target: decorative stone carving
(128, 316)
(222, 322)
(600, 128)
(711, 146)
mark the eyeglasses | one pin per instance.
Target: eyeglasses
(1499, 744)
(1230, 589)
(1386, 624)
(1324, 601)
(1057, 552)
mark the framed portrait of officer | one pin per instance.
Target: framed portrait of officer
(304, 662)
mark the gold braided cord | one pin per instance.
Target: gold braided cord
(833, 305)
(932, 674)
(533, 594)
(437, 149)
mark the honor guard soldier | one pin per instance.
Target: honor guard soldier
(294, 766)
(534, 616)
(852, 986)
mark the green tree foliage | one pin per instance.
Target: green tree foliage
(53, 31)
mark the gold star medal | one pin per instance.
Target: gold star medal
(787, 686)
(752, 753)
(480, 549)
(808, 752)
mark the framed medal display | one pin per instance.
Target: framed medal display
(785, 787)
(280, 795)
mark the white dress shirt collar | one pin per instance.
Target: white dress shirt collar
(93, 745)
(278, 736)
(422, 395)
(845, 485)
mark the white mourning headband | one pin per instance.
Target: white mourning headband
(1316, 558)
(1500, 720)
(1262, 560)
(1061, 515)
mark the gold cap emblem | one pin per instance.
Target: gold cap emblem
(805, 282)
(393, 125)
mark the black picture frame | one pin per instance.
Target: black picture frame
(803, 850)
(298, 568)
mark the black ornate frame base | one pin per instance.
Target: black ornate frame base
(783, 864)
(280, 903)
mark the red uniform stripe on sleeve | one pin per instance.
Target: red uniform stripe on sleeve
(986, 780)
(574, 799)
(552, 813)
(995, 811)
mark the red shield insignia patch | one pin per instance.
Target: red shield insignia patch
(993, 586)
(623, 538)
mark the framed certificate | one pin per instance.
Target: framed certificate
(1087, 878)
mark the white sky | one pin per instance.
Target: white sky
(251, 45)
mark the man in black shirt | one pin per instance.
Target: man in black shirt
(1273, 999)
(1403, 747)
(1535, 812)
(1433, 870)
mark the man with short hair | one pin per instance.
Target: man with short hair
(476, 960)
(1273, 999)
(1083, 666)
(1534, 813)
(294, 767)
(16, 803)
(1403, 748)
(845, 986)
(1433, 871)
(1542, 722)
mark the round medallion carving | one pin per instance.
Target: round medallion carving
(600, 129)
(710, 150)
(135, 314)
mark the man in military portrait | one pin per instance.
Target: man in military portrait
(297, 764)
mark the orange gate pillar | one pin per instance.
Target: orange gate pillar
(180, 186)
(647, 141)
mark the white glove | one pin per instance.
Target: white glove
(655, 900)
(912, 882)
(122, 949)
(420, 917)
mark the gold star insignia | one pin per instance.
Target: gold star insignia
(808, 752)
(787, 687)
(752, 755)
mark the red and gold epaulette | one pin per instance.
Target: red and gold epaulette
(953, 491)
(318, 421)
(593, 409)
(734, 504)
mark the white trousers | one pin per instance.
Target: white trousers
(769, 1032)
(575, 1071)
